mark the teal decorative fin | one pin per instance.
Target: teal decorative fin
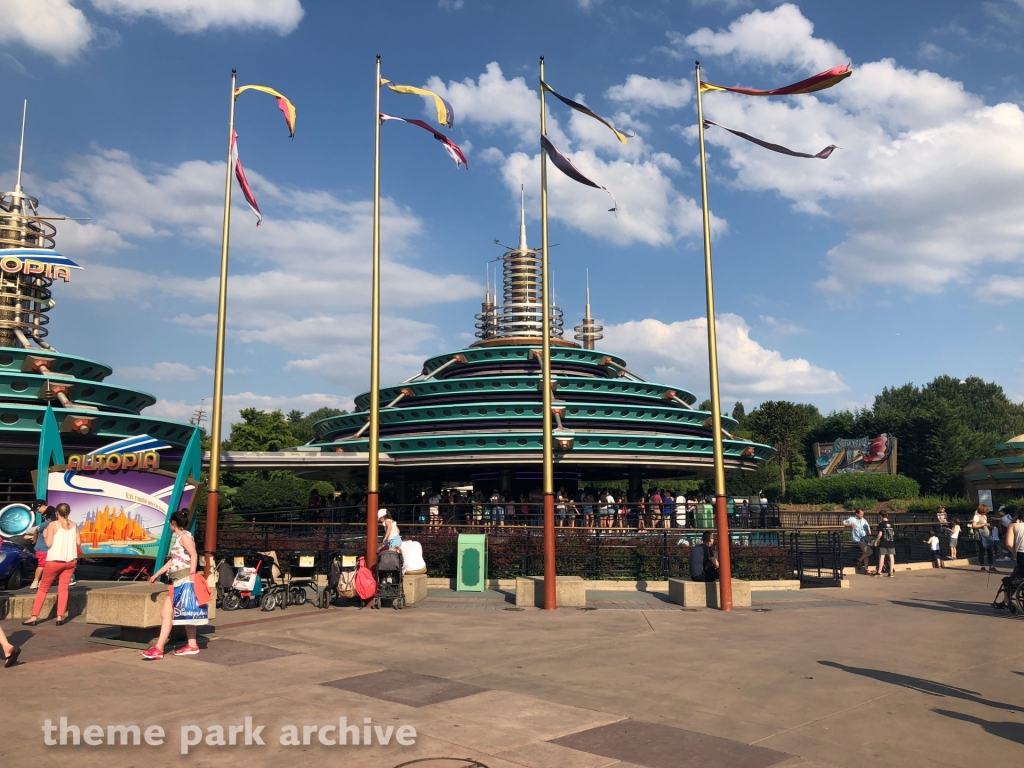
(191, 466)
(50, 447)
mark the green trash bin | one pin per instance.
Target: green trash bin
(706, 516)
(471, 565)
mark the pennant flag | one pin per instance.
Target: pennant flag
(286, 107)
(445, 113)
(823, 155)
(450, 146)
(562, 163)
(818, 82)
(623, 137)
(250, 198)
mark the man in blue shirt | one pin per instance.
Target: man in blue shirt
(860, 532)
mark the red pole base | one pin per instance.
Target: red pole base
(372, 505)
(724, 558)
(550, 575)
(212, 510)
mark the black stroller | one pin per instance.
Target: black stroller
(390, 584)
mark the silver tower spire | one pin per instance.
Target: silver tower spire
(517, 311)
(588, 332)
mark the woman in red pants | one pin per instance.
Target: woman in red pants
(61, 561)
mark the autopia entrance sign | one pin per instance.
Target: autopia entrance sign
(36, 262)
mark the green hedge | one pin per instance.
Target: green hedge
(838, 489)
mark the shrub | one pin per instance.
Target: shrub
(853, 485)
(956, 506)
(867, 504)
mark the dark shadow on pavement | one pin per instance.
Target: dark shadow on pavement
(1004, 729)
(929, 687)
(953, 606)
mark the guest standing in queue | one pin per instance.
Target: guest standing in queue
(61, 560)
(181, 608)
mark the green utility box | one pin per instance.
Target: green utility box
(471, 565)
(705, 516)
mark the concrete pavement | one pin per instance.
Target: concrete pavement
(914, 670)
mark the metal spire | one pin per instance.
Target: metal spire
(522, 219)
(21, 148)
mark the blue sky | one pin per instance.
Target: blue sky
(899, 258)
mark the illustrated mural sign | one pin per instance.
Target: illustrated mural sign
(118, 497)
(863, 454)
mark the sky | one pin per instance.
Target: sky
(897, 259)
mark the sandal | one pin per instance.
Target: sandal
(13, 658)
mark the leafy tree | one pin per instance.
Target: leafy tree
(782, 425)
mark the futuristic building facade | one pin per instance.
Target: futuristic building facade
(474, 415)
(33, 374)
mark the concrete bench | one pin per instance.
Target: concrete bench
(415, 586)
(19, 606)
(701, 594)
(570, 592)
(135, 608)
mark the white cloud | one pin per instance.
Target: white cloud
(451, 5)
(180, 410)
(678, 352)
(305, 234)
(651, 209)
(159, 372)
(999, 289)
(782, 36)
(53, 27)
(783, 327)
(642, 92)
(929, 181)
(280, 16)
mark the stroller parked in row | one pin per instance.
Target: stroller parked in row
(341, 577)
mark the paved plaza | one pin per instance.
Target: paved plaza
(914, 670)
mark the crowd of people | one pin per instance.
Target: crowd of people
(586, 508)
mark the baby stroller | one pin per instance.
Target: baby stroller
(390, 584)
(1012, 587)
(341, 576)
(245, 588)
(302, 574)
(132, 570)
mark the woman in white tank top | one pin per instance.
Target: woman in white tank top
(61, 560)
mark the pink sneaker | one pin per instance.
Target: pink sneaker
(152, 654)
(187, 650)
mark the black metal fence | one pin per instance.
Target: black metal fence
(515, 548)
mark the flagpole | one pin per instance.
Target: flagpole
(373, 471)
(721, 508)
(550, 577)
(213, 487)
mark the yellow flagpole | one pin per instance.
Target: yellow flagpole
(213, 487)
(550, 576)
(373, 471)
(721, 508)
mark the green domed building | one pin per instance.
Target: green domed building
(474, 415)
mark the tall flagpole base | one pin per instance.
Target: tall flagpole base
(724, 556)
(212, 510)
(550, 574)
(372, 505)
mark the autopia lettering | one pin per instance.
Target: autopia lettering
(33, 268)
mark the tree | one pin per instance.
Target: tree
(739, 413)
(782, 425)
